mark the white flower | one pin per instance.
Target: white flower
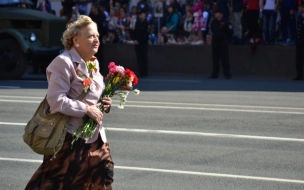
(120, 69)
(129, 84)
(136, 91)
(120, 106)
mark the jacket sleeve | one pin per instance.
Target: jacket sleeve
(175, 20)
(59, 76)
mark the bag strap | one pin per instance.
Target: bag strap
(82, 95)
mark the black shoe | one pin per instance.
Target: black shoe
(212, 77)
(298, 78)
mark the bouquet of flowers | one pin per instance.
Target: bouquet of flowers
(119, 81)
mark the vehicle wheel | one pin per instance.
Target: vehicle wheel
(13, 62)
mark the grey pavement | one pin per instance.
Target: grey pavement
(181, 133)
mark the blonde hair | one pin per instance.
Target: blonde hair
(73, 30)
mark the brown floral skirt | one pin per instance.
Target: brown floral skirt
(84, 167)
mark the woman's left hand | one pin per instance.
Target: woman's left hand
(107, 102)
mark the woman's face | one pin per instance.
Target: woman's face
(88, 40)
(170, 9)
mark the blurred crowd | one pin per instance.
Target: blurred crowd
(187, 21)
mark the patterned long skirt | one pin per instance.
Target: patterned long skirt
(83, 167)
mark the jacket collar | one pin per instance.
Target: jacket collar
(80, 63)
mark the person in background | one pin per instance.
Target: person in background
(143, 6)
(44, 6)
(236, 18)
(116, 8)
(122, 21)
(171, 21)
(300, 44)
(141, 38)
(133, 16)
(288, 20)
(112, 37)
(163, 36)
(102, 9)
(82, 6)
(67, 8)
(75, 14)
(223, 5)
(221, 32)
(112, 20)
(188, 22)
(198, 24)
(253, 13)
(100, 19)
(269, 11)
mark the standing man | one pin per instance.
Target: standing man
(221, 33)
(300, 44)
(288, 20)
(141, 37)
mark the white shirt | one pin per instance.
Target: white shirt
(269, 5)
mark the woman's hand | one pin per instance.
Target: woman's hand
(107, 102)
(94, 113)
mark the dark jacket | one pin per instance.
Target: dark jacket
(221, 30)
(300, 34)
(289, 4)
(100, 20)
(141, 33)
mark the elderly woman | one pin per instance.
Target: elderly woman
(88, 163)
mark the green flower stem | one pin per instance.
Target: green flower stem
(90, 125)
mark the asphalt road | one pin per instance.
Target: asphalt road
(181, 134)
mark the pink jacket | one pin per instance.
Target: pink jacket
(64, 86)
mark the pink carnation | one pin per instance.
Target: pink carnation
(112, 67)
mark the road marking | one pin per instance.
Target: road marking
(215, 109)
(164, 103)
(20, 101)
(10, 87)
(172, 80)
(22, 97)
(219, 175)
(184, 108)
(214, 105)
(205, 134)
(189, 133)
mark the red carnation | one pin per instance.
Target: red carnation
(131, 76)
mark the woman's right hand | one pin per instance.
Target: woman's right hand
(94, 113)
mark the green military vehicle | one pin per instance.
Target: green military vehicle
(27, 36)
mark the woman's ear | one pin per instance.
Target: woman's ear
(75, 40)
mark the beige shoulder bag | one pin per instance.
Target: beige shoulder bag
(45, 132)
